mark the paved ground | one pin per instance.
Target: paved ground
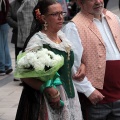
(10, 91)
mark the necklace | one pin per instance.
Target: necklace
(53, 37)
(57, 41)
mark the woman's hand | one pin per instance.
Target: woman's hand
(80, 74)
(53, 97)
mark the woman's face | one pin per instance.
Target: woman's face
(54, 17)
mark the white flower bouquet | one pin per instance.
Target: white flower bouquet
(42, 64)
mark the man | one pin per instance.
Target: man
(95, 35)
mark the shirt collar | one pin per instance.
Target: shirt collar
(102, 16)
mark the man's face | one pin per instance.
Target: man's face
(94, 7)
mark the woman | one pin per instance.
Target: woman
(33, 104)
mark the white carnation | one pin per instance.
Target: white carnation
(52, 54)
(30, 55)
(23, 63)
(38, 65)
(39, 59)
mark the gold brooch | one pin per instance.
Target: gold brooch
(68, 48)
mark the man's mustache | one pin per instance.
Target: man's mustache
(97, 6)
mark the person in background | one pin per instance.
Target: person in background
(105, 3)
(12, 21)
(24, 19)
(95, 32)
(5, 59)
(24, 22)
(45, 105)
(72, 9)
(64, 6)
(119, 4)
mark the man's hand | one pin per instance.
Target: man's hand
(80, 74)
(95, 97)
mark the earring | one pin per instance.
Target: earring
(45, 25)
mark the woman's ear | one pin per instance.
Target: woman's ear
(43, 18)
(44, 22)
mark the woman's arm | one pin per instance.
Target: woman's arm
(36, 84)
(32, 82)
(52, 93)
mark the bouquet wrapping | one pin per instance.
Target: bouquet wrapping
(42, 64)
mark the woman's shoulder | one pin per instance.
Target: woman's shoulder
(35, 41)
(40, 35)
(63, 37)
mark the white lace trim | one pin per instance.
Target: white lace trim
(40, 38)
(70, 111)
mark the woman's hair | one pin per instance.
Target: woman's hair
(42, 7)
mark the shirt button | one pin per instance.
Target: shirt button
(100, 43)
(99, 66)
(98, 78)
(100, 55)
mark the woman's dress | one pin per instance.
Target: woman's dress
(33, 105)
